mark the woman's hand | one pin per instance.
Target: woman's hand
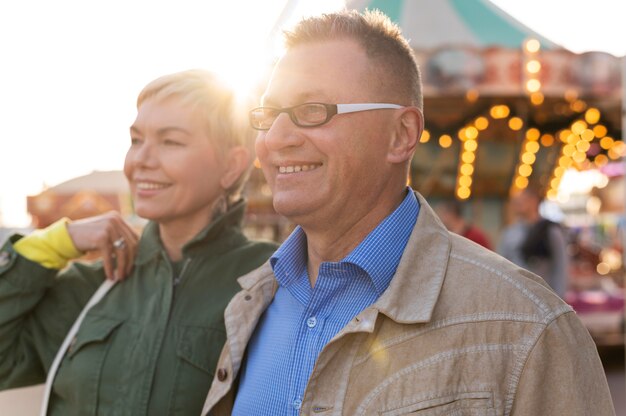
(112, 236)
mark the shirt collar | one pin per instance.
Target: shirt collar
(392, 234)
(380, 252)
(289, 261)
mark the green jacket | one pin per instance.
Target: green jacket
(149, 347)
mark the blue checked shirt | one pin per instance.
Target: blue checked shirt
(301, 320)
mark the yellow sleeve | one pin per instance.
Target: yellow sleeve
(51, 247)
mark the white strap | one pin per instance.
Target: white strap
(97, 297)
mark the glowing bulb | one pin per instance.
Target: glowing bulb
(472, 95)
(525, 170)
(582, 146)
(467, 169)
(471, 132)
(536, 98)
(461, 134)
(564, 134)
(568, 149)
(470, 145)
(532, 134)
(515, 123)
(578, 106)
(533, 85)
(601, 160)
(600, 131)
(481, 123)
(532, 147)
(499, 111)
(528, 158)
(552, 194)
(468, 157)
(565, 161)
(533, 66)
(587, 135)
(606, 142)
(592, 115)
(521, 182)
(547, 140)
(445, 141)
(465, 181)
(463, 193)
(532, 46)
(579, 157)
(425, 137)
(559, 171)
(603, 268)
(578, 127)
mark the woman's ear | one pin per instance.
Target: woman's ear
(236, 163)
(409, 128)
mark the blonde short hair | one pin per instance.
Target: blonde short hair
(226, 120)
(382, 40)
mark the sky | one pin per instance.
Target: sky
(71, 69)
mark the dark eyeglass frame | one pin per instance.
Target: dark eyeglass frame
(332, 110)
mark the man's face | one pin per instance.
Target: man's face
(337, 171)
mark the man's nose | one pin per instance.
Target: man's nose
(283, 133)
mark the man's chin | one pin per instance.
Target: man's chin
(291, 208)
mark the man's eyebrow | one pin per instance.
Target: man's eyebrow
(315, 95)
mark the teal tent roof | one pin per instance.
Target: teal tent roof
(429, 24)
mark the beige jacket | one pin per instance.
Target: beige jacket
(459, 331)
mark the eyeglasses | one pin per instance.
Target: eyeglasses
(310, 114)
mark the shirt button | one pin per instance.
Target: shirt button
(311, 322)
(222, 374)
(297, 404)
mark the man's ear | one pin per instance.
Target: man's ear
(409, 128)
(236, 163)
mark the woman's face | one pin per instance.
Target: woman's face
(173, 169)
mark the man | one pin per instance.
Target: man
(534, 242)
(451, 214)
(371, 306)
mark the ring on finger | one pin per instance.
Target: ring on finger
(120, 243)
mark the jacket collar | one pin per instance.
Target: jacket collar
(150, 243)
(415, 288)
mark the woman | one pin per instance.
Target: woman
(151, 345)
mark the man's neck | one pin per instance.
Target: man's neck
(336, 239)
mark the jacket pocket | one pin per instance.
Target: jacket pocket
(94, 329)
(459, 404)
(79, 379)
(200, 347)
(197, 351)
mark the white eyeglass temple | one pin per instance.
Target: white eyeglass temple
(353, 108)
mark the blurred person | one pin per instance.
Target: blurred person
(371, 306)
(451, 214)
(150, 346)
(536, 243)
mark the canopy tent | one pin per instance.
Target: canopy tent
(431, 24)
